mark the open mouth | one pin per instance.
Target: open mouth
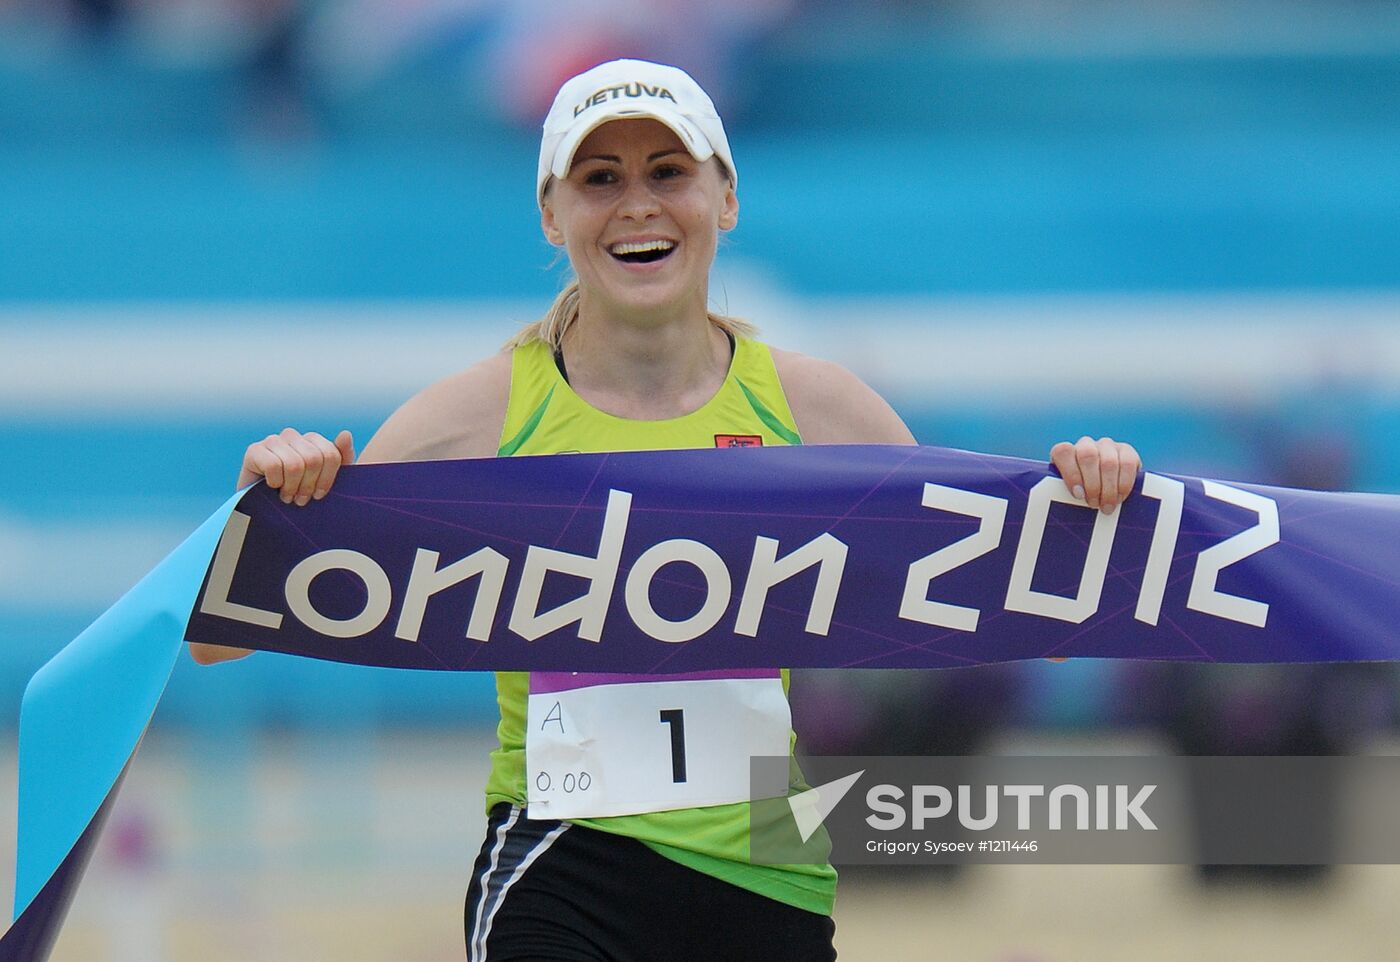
(642, 252)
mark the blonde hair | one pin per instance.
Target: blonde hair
(563, 314)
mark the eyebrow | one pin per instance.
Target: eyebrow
(612, 158)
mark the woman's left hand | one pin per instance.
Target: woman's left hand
(1101, 473)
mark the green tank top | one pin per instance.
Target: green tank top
(545, 416)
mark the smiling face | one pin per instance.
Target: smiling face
(640, 219)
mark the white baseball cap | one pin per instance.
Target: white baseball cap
(626, 89)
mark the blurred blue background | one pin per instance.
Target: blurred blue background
(262, 150)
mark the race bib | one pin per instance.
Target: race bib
(605, 744)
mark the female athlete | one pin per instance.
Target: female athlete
(636, 182)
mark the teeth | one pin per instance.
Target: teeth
(642, 247)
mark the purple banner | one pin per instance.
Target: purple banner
(546, 682)
(847, 556)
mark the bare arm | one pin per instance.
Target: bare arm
(458, 417)
(833, 406)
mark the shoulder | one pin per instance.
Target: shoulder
(458, 417)
(833, 406)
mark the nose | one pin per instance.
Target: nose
(638, 200)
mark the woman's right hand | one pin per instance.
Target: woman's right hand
(301, 466)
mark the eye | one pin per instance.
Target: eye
(599, 177)
(667, 171)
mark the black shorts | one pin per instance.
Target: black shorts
(548, 891)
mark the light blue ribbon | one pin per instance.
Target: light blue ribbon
(80, 720)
